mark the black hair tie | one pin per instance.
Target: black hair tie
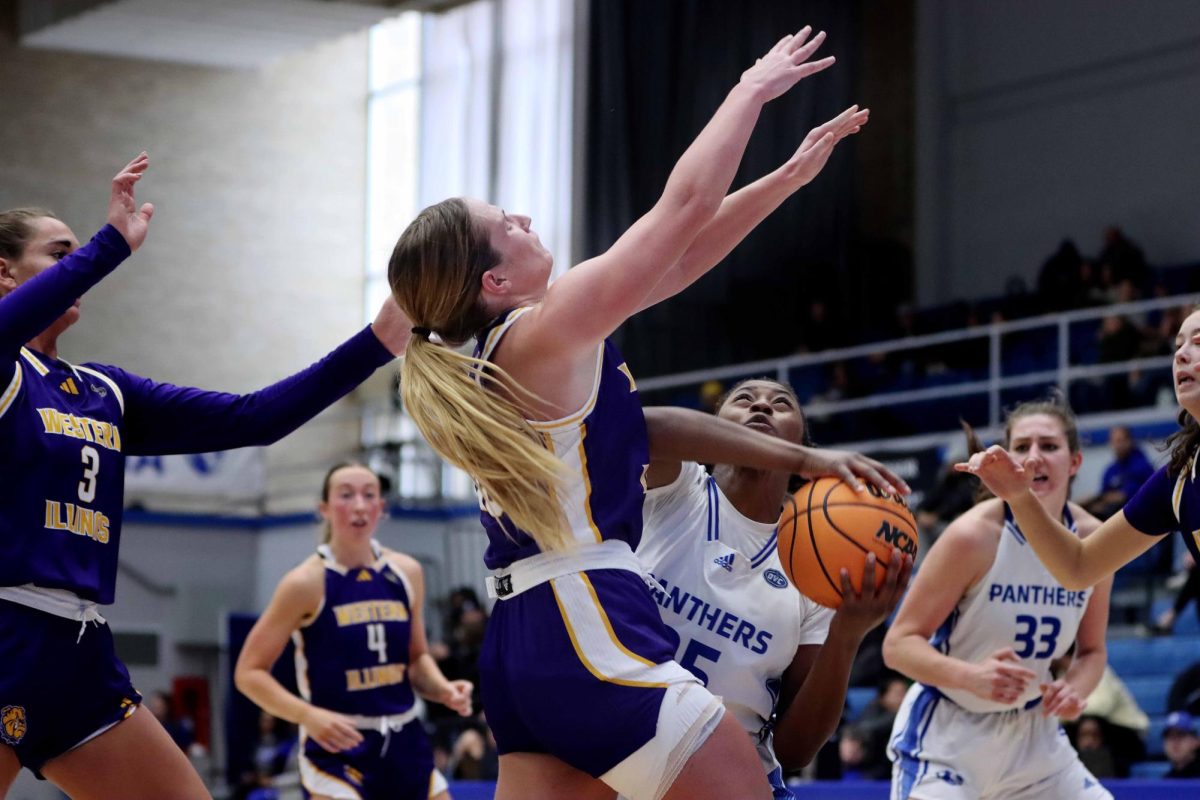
(423, 332)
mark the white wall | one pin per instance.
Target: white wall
(1045, 119)
(253, 267)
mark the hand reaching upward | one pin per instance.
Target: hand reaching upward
(784, 64)
(123, 213)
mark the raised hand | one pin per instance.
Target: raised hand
(862, 611)
(329, 729)
(784, 64)
(123, 213)
(1062, 700)
(1003, 475)
(1000, 678)
(850, 467)
(818, 145)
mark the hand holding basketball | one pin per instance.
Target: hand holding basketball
(999, 471)
(783, 66)
(1000, 678)
(831, 535)
(850, 467)
(862, 611)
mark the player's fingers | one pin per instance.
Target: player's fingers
(812, 68)
(1016, 672)
(147, 211)
(801, 47)
(906, 570)
(847, 587)
(795, 41)
(782, 43)
(1005, 654)
(892, 576)
(868, 581)
(849, 477)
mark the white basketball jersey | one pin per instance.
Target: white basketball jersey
(720, 586)
(1017, 604)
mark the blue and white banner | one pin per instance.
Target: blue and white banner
(234, 474)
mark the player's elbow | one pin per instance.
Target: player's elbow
(891, 650)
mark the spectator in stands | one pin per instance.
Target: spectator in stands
(952, 495)
(1180, 743)
(1187, 593)
(1126, 259)
(875, 725)
(180, 728)
(852, 750)
(1125, 724)
(1092, 748)
(1058, 279)
(1129, 469)
(820, 331)
(474, 756)
(1119, 340)
(1088, 292)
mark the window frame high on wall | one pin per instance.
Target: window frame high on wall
(480, 103)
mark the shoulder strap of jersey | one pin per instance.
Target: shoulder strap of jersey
(34, 361)
(713, 500)
(494, 331)
(13, 388)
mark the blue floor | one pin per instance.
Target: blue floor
(867, 790)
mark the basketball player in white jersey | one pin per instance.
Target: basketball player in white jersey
(977, 633)
(708, 542)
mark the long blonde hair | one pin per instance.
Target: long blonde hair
(460, 403)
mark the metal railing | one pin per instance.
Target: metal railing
(1062, 374)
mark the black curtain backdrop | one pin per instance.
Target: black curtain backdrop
(658, 70)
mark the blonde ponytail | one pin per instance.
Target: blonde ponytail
(460, 403)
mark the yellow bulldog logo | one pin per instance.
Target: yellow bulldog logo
(12, 724)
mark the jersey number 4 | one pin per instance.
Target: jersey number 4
(377, 640)
(1049, 630)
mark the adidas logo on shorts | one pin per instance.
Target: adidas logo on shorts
(725, 562)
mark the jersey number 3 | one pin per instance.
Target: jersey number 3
(91, 468)
(1050, 627)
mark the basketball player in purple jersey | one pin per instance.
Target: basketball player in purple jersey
(578, 680)
(355, 611)
(66, 702)
(1169, 501)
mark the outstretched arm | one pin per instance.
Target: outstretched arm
(590, 301)
(29, 308)
(423, 672)
(680, 434)
(742, 211)
(162, 418)
(1075, 563)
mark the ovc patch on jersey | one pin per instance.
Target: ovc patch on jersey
(775, 578)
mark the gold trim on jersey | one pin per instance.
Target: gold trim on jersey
(41, 368)
(587, 484)
(608, 625)
(10, 393)
(583, 659)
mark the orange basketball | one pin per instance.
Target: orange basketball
(826, 525)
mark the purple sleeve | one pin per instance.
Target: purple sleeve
(1150, 510)
(161, 418)
(31, 307)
